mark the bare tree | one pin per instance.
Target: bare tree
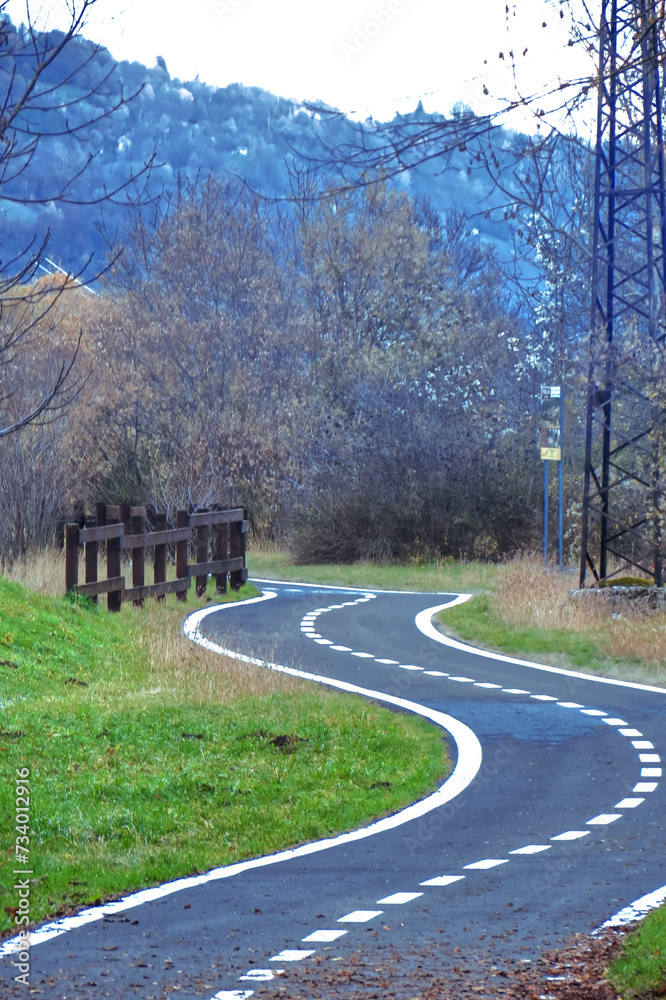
(39, 102)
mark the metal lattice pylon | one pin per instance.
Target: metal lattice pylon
(623, 491)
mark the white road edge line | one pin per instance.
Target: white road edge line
(424, 625)
(466, 769)
(636, 910)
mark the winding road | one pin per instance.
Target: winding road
(551, 823)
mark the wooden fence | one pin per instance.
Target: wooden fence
(216, 536)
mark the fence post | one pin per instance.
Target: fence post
(202, 553)
(92, 552)
(182, 521)
(160, 557)
(138, 527)
(236, 549)
(220, 551)
(71, 556)
(115, 597)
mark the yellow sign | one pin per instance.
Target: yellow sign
(550, 430)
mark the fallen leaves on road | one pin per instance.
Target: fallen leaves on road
(575, 971)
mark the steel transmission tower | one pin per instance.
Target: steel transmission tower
(624, 453)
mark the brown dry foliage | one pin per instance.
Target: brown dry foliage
(188, 671)
(530, 597)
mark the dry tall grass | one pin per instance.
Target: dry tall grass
(42, 571)
(188, 671)
(529, 596)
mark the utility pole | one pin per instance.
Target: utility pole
(622, 491)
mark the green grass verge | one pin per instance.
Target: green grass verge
(444, 575)
(137, 778)
(640, 969)
(475, 622)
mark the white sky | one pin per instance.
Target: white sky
(362, 57)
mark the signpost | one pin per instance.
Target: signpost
(550, 434)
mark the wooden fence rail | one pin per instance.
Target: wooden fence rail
(218, 535)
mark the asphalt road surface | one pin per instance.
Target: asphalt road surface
(552, 822)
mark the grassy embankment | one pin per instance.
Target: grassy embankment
(151, 758)
(639, 973)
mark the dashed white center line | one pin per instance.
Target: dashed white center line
(487, 863)
(292, 955)
(442, 880)
(261, 975)
(233, 995)
(398, 898)
(324, 935)
(358, 916)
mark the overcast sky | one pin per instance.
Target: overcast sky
(361, 57)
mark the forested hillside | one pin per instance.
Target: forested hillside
(191, 128)
(356, 363)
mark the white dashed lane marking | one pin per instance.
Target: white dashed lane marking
(571, 835)
(442, 880)
(323, 935)
(529, 850)
(487, 863)
(359, 916)
(292, 955)
(397, 898)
